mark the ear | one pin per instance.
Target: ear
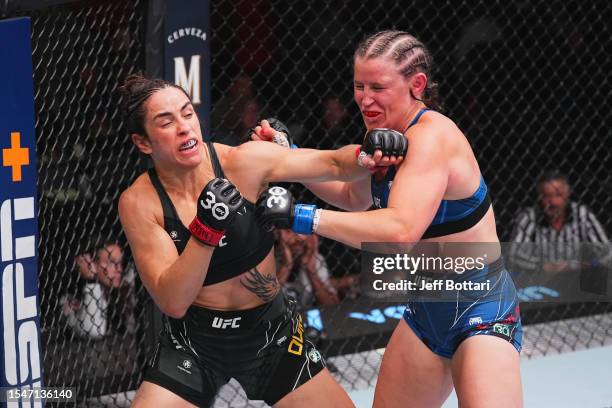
(418, 84)
(142, 143)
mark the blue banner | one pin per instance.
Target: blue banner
(187, 53)
(19, 308)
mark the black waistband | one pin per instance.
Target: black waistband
(237, 321)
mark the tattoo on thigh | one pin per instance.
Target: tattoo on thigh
(264, 286)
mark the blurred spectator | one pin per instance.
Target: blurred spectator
(482, 30)
(302, 271)
(88, 313)
(557, 227)
(252, 21)
(235, 113)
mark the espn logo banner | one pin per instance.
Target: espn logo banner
(19, 309)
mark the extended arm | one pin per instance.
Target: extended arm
(268, 162)
(417, 190)
(378, 143)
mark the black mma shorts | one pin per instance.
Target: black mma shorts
(262, 348)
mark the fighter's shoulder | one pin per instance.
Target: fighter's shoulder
(433, 127)
(247, 152)
(140, 195)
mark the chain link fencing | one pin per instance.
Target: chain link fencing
(93, 323)
(527, 82)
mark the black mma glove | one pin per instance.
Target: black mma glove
(390, 142)
(276, 208)
(218, 205)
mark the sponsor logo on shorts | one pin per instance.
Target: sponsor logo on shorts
(281, 340)
(173, 235)
(297, 340)
(185, 366)
(377, 202)
(314, 355)
(504, 329)
(475, 320)
(220, 323)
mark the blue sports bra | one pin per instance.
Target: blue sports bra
(452, 216)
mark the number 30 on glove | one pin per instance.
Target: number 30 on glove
(275, 208)
(218, 205)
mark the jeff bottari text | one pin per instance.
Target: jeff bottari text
(430, 285)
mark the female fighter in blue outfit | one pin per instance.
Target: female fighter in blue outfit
(437, 194)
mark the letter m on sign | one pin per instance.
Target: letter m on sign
(189, 79)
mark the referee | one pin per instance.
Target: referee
(556, 229)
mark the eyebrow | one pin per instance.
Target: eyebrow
(161, 114)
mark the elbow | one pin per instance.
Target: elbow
(175, 313)
(401, 237)
(406, 235)
(173, 310)
(401, 227)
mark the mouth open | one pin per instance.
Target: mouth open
(370, 114)
(188, 145)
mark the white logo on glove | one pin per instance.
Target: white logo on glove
(219, 210)
(276, 198)
(281, 139)
(361, 159)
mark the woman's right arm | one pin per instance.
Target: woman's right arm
(173, 281)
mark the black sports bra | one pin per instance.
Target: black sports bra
(243, 246)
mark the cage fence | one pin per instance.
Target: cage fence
(527, 82)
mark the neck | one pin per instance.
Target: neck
(412, 112)
(185, 181)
